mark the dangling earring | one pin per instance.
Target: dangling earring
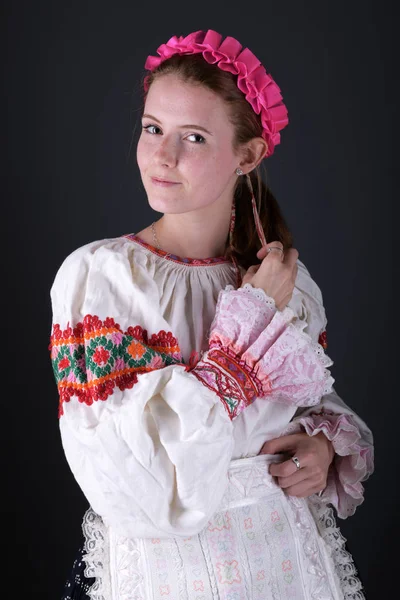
(238, 171)
(257, 220)
(232, 223)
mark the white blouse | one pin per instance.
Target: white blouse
(148, 442)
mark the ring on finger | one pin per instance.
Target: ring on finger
(296, 462)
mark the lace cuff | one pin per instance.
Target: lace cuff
(257, 351)
(240, 316)
(353, 462)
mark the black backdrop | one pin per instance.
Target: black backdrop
(71, 103)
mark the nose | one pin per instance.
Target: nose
(167, 152)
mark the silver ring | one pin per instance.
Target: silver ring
(274, 248)
(296, 461)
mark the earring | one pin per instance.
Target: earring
(239, 171)
(257, 221)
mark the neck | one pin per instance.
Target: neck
(196, 234)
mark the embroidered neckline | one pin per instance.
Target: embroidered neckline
(192, 262)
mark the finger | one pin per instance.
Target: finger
(302, 490)
(305, 474)
(284, 443)
(253, 269)
(262, 253)
(291, 257)
(275, 251)
(273, 243)
(285, 468)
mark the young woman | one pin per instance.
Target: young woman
(196, 406)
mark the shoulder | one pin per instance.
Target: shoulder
(306, 284)
(105, 278)
(117, 246)
(307, 302)
(114, 249)
(110, 258)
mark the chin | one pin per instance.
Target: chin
(165, 205)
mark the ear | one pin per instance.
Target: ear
(252, 153)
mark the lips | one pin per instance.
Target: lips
(162, 183)
(163, 180)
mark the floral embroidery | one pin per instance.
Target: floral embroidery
(92, 358)
(228, 572)
(261, 575)
(221, 542)
(197, 579)
(164, 590)
(286, 565)
(198, 586)
(275, 516)
(221, 521)
(282, 364)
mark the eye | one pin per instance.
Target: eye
(147, 128)
(202, 139)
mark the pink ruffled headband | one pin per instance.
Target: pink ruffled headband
(259, 88)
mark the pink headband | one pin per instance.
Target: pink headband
(259, 88)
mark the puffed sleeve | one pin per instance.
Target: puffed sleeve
(351, 438)
(148, 437)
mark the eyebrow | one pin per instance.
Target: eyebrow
(190, 126)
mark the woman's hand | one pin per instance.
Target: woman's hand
(276, 274)
(315, 454)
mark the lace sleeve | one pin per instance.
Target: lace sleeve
(352, 441)
(258, 351)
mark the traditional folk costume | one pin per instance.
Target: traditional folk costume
(171, 378)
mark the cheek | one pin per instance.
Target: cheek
(216, 168)
(142, 153)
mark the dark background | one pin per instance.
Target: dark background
(71, 102)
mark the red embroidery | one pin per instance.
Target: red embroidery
(323, 340)
(194, 262)
(228, 377)
(93, 358)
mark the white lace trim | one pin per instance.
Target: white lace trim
(97, 557)
(323, 358)
(257, 292)
(128, 572)
(180, 570)
(318, 580)
(290, 316)
(255, 483)
(342, 559)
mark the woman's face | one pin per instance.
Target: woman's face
(186, 139)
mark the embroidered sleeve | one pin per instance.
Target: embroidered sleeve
(148, 438)
(258, 351)
(94, 358)
(148, 444)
